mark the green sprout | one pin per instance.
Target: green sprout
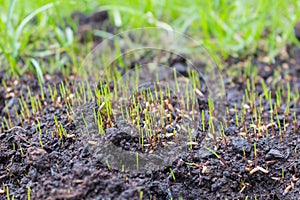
(172, 174)
(28, 193)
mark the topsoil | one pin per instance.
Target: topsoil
(65, 168)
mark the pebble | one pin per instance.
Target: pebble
(38, 158)
(274, 154)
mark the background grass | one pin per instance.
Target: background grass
(226, 28)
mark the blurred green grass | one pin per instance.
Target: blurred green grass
(224, 27)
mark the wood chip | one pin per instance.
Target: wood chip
(9, 95)
(204, 170)
(171, 143)
(276, 178)
(71, 135)
(199, 93)
(92, 142)
(285, 66)
(169, 135)
(288, 188)
(294, 178)
(263, 128)
(242, 134)
(246, 106)
(192, 143)
(271, 162)
(258, 168)
(244, 187)
(79, 181)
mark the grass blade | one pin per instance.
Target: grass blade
(24, 22)
(38, 69)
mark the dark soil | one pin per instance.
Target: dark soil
(64, 168)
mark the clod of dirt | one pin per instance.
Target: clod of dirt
(241, 145)
(38, 158)
(274, 154)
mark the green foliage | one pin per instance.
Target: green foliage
(39, 30)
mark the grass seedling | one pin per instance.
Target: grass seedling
(172, 174)
(82, 93)
(203, 120)
(3, 81)
(282, 176)
(260, 105)
(25, 112)
(6, 123)
(217, 155)
(22, 152)
(140, 195)
(28, 193)
(188, 98)
(53, 93)
(83, 119)
(98, 119)
(211, 124)
(19, 117)
(59, 129)
(194, 164)
(236, 116)
(32, 101)
(41, 142)
(39, 130)
(89, 91)
(244, 154)
(107, 165)
(7, 193)
(212, 130)
(279, 126)
(137, 161)
(212, 151)
(222, 133)
(62, 91)
(176, 82)
(123, 169)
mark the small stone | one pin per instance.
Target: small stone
(38, 158)
(274, 154)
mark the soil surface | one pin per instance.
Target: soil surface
(251, 162)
